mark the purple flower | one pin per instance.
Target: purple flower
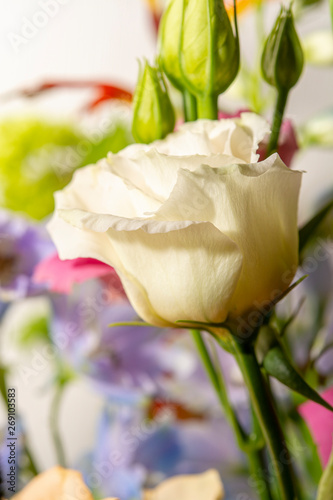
(22, 246)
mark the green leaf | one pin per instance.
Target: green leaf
(306, 232)
(277, 364)
(325, 490)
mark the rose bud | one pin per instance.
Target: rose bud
(169, 42)
(187, 222)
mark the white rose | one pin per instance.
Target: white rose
(195, 226)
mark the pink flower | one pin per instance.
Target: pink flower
(320, 422)
(61, 275)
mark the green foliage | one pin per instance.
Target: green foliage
(153, 114)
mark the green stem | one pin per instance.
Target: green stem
(190, 106)
(32, 465)
(54, 425)
(268, 419)
(277, 121)
(207, 107)
(255, 456)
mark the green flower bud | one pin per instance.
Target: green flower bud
(153, 115)
(282, 59)
(169, 41)
(209, 48)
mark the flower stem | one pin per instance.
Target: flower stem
(54, 424)
(253, 450)
(263, 406)
(277, 121)
(207, 107)
(190, 106)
